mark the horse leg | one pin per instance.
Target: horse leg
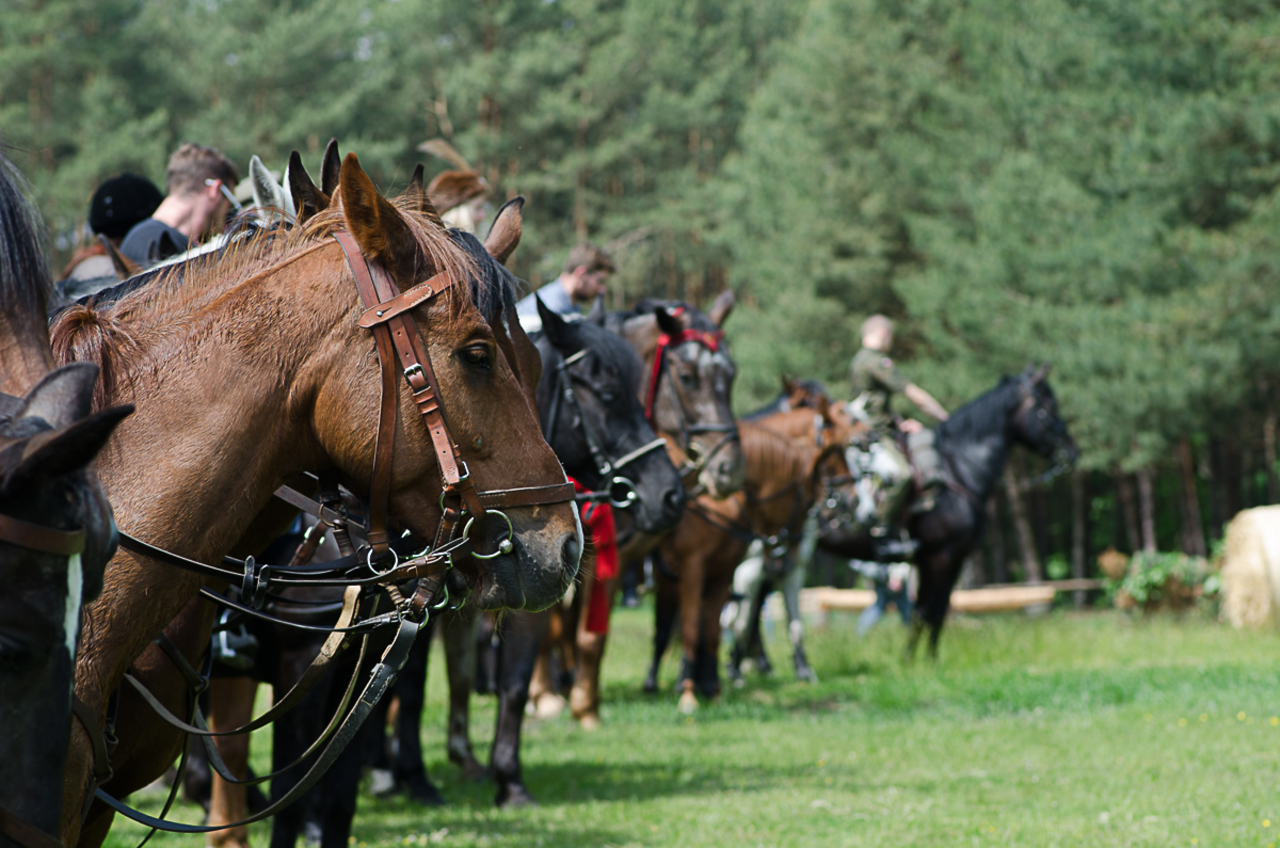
(460, 659)
(666, 606)
(791, 586)
(584, 698)
(691, 602)
(408, 768)
(290, 738)
(716, 595)
(230, 705)
(748, 581)
(518, 651)
(486, 655)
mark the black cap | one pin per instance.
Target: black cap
(121, 202)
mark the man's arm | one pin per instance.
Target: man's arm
(925, 401)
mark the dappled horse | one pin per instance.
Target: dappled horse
(56, 533)
(810, 420)
(255, 366)
(697, 561)
(974, 445)
(686, 389)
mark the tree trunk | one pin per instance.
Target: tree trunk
(1146, 510)
(1128, 511)
(1078, 529)
(1022, 526)
(1269, 449)
(1192, 527)
(999, 558)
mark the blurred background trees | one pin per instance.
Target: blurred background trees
(1086, 182)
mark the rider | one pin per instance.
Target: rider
(585, 273)
(199, 182)
(875, 380)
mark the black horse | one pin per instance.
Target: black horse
(588, 403)
(974, 445)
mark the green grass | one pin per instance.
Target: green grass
(1091, 729)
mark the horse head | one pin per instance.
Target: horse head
(1036, 421)
(592, 417)
(688, 386)
(486, 408)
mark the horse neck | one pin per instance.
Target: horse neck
(217, 428)
(978, 453)
(777, 474)
(25, 356)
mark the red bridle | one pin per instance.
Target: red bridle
(710, 340)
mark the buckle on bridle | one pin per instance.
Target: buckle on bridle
(414, 370)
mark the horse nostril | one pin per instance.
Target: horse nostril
(570, 553)
(673, 501)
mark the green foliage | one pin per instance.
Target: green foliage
(1151, 578)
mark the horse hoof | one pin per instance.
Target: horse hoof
(511, 797)
(590, 721)
(650, 686)
(688, 703)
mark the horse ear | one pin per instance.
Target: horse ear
(721, 307)
(286, 196)
(416, 194)
(63, 396)
(1040, 374)
(788, 385)
(668, 323)
(554, 327)
(504, 235)
(597, 314)
(56, 453)
(125, 267)
(824, 408)
(330, 168)
(308, 200)
(378, 227)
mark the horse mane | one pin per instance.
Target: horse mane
(25, 282)
(815, 387)
(771, 456)
(982, 416)
(118, 330)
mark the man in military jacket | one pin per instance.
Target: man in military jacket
(875, 380)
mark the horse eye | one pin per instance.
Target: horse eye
(477, 357)
(688, 380)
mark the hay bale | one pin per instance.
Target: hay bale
(1251, 568)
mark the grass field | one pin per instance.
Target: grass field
(1071, 729)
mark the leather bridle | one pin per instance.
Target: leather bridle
(712, 341)
(621, 490)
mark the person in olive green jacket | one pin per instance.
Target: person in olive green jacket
(875, 380)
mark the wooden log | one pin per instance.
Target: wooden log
(971, 601)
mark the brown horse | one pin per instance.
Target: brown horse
(248, 368)
(783, 479)
(56, 533)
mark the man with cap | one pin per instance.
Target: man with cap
(199, 183)
(117, 205)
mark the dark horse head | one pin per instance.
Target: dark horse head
(56, 533)
(592, 417)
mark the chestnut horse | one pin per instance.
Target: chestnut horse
(56, 533)
(249, 368)
(783, 480)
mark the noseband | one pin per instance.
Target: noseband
(603, 463)
(35, 537)
(712, 341)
